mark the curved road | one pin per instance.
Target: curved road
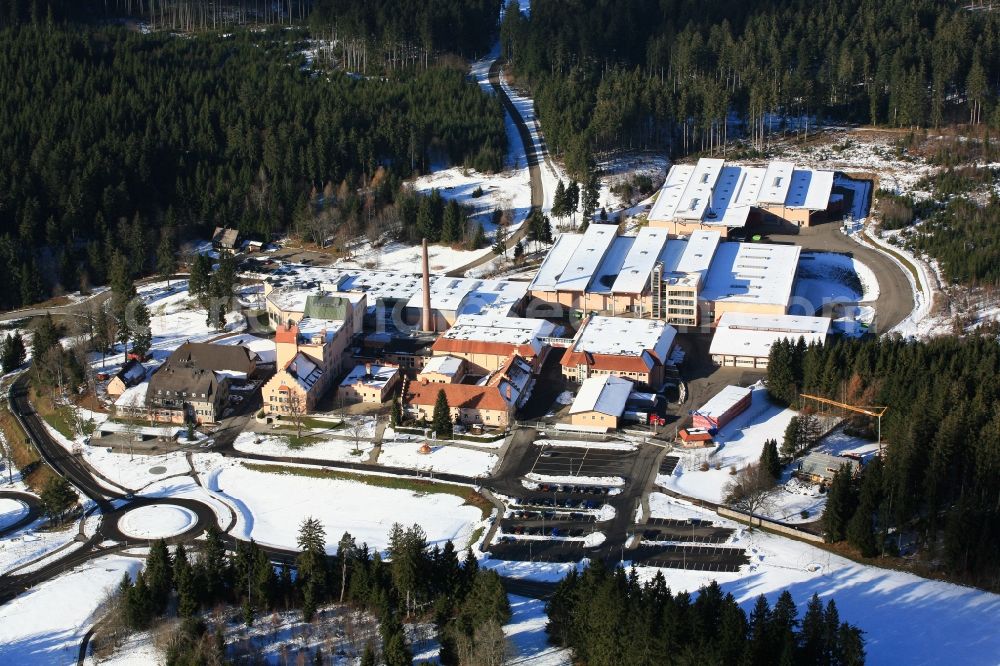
(112, 505)
(895, 298)
(34, 509)
(531, 153)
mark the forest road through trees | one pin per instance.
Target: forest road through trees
(532, 156)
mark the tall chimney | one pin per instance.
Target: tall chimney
(427, 321)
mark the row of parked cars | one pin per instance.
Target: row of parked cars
(538, 531)
(578, 490)
(567, 503)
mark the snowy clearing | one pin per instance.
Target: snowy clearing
(279, 445)
(839, 443)
(31, 543)
(11, 511)
(271, 506)
(541, 571)
(448, 458)
(528, 638)
(45, 626)
(794, 497)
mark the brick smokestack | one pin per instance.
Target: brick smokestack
(426, 321)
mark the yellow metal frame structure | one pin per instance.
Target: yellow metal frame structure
(870, 410)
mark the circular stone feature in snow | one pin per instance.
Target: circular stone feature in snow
(159, 469)
(157, 521)
(11, 511)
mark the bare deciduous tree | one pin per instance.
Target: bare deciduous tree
(751, 492)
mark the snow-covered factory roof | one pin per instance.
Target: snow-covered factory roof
(606, 394)
(504, 330)
(587, 257)
(777, 181)
(623, 263)
(609, 270)
(741, 334)
(294, 284)
(759, 273)
(617, 336)
(670, 193)
(715, 193)
(633, 275)
(687, 260)
(810, 189)
(723, 401)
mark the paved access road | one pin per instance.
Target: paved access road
(532, 156)
(895, 300)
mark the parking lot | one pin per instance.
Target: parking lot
(548, 527)
(695, 558)
(571, 461)
(536, 550)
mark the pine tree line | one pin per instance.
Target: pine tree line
(467, 605)
(940, 476)
(650, 73)
(607, 617)
(108, 135)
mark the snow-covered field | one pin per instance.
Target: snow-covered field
(328, 449)
(527, 636)
(45, 625)
(271, 506)
(739, 443)
(11, 511)
(665, 506)
(31, 543)
(448, 458)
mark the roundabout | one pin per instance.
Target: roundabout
(157, 521)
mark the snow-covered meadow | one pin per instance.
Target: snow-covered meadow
(320, 449)
(271, 506)
(442, 458)
(46, 624)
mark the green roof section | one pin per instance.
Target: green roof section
(327, 307)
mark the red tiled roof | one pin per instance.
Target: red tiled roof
(443, 344)
(465, 396)
(287, 334)
(608, 362)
